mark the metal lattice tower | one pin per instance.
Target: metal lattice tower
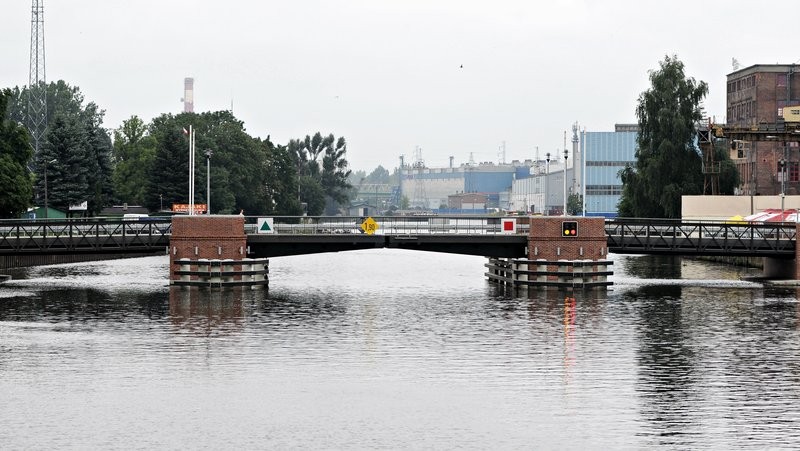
(37, 82)
(420, 196)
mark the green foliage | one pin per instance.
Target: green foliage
(331, 173)
(313, 194)
(405, 203)
(282, 186)
(98, 156)
(574, 204)
(92, 144)
(147, 164)
(15, 151)
(668, 165)
(246, 173)
(134, 153)
(169, 177)
(379, 175)
(729, 175)
(62, 163)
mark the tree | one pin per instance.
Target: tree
(379, 175)
(668, 164)
(728, 174)
(65, 102)
(574, 204)
(282, 188)
(133, 155)
(331, 174)
(64, 158)
(16, 188)
(335, 173)
(242, 173)
(98, 155)
(168, 182)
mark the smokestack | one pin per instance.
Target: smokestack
(188, 95)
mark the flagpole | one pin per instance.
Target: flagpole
(191, 171)
(193, 144)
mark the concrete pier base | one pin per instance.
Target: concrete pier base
(563, 251)
(209, 251)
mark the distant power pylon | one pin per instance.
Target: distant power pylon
(37, 82)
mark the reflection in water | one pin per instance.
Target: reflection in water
(569, 329)
(396, 349)
(207, 311)
(667, 367)
(653, 267)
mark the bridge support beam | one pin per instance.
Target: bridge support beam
(780, 268)
(211, 251)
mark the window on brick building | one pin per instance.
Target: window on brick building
(794, 171)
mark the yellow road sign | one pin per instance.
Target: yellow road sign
(369, 226)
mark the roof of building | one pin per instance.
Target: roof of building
(777, 68)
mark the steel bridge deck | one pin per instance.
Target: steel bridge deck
(475, 235)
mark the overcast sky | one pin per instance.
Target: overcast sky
(453, 77)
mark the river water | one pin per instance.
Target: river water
(400, 350)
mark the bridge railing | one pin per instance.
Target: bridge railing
(386, 225)
(630, 234)
(701, 229)
(74, 233)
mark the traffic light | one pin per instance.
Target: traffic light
(569, 228)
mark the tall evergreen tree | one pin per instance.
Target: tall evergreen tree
(169, 178)
(64, 157)
(16, 188)
(98, 161)
(67, 103)
(668, 164)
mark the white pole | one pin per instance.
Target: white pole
(194, 161)
(191, 170)
(583, 170)
(565, 179)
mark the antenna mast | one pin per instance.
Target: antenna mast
(37, 82)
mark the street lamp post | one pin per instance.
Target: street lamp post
(566, 154)
(546, 176)
(161, 202)
(46, 208)
(208, 181)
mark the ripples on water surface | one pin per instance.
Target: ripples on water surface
(396, 349)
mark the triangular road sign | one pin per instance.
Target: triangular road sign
(265, 225)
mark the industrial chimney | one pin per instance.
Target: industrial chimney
(188, 95)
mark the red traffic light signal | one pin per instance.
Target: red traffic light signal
(569, 228)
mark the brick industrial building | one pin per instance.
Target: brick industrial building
(757, 95)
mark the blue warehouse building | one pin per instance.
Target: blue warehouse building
(429, 188)
(606, 154)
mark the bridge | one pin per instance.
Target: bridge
(470, 235)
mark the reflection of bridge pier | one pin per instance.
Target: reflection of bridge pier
(204, 311)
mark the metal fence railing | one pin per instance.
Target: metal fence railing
(385, 225)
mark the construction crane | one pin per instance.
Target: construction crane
(785, 130)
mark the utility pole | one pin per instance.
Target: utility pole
(566, 155)
(546, 176)
(37, 82)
